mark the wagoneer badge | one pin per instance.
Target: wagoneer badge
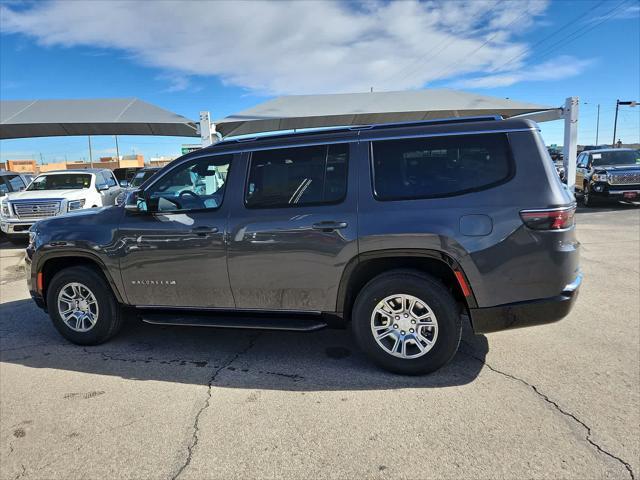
(153, 282)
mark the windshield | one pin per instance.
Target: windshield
(141, 177)
(63, 181)
(624, 157)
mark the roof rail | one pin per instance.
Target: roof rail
(313, 130)
(435, 121)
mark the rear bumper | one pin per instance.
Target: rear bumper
(526, 314)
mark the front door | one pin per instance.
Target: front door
(173, 249)
(293, 227)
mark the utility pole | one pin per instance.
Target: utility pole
(90, 152)
(598, 125)
(615, 122)
(117, 150)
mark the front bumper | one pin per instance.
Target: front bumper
(603, 191)
(526, 314)
(15, 227)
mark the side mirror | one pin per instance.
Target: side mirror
(102, 187)
(124, 183)
(136, 202)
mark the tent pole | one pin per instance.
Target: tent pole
(570, 150)
(208, 134)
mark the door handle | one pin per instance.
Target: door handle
(203, 231)
(329, 226)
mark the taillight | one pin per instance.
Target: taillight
(549, 219)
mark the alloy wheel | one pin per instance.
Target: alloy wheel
(404, 326)
(78, 307)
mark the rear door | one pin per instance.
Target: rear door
(294, 227)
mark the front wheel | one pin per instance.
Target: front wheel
(587, 198)
(407, 322)
(82, 306)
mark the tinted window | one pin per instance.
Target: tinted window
(61, 181)
(141, 177)
(432, 167)
(15, 183)
(299, 176)
(195, 185)
(111, 181)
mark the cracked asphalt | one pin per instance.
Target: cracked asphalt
(558, 401)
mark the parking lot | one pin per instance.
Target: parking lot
(558, 401)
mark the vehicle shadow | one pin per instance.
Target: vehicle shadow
(610, 207)
(324, 360)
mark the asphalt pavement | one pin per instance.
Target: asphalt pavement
(557, 401)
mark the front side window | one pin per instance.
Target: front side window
(61, 181)
(195, 185)
(438, 166)
(109, 178)
(290, 177)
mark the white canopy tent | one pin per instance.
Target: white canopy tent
(117, 116)
(317, 111)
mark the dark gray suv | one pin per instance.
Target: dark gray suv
(399, 230)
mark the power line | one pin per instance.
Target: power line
(451, 65)
(441, 47)
(553, 34)
(580, 33)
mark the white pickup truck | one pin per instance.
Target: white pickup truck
(56, 193)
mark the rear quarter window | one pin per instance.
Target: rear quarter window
(432, 167)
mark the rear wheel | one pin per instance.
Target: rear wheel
(82, 306)
(407, 322)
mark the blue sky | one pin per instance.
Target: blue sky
(225, 57)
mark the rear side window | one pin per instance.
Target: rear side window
(290, 177)
(439, 166)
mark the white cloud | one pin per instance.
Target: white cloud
(558, 68)
(291, 47)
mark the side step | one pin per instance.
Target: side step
(306, 323)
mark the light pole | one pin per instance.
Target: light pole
(117, 151)
(90, 152)
(598, 125)
(615, 122)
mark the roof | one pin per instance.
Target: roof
(377, 132)
(315, 111)
(124, 116)
(76, 170)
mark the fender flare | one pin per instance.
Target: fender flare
(353, 264)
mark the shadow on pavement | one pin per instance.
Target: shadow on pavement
(319, 361)
(609, 207)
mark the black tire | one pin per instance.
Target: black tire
(109, 318)
(428, 290)
(587, 199)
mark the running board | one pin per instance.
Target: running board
(188, 319)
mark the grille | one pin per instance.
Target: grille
(36, 209)
(625, 178)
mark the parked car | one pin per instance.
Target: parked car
(13, 182)
(55, 193)
(611, 174)
(124, 175)
(141, 176)
(397, 229)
